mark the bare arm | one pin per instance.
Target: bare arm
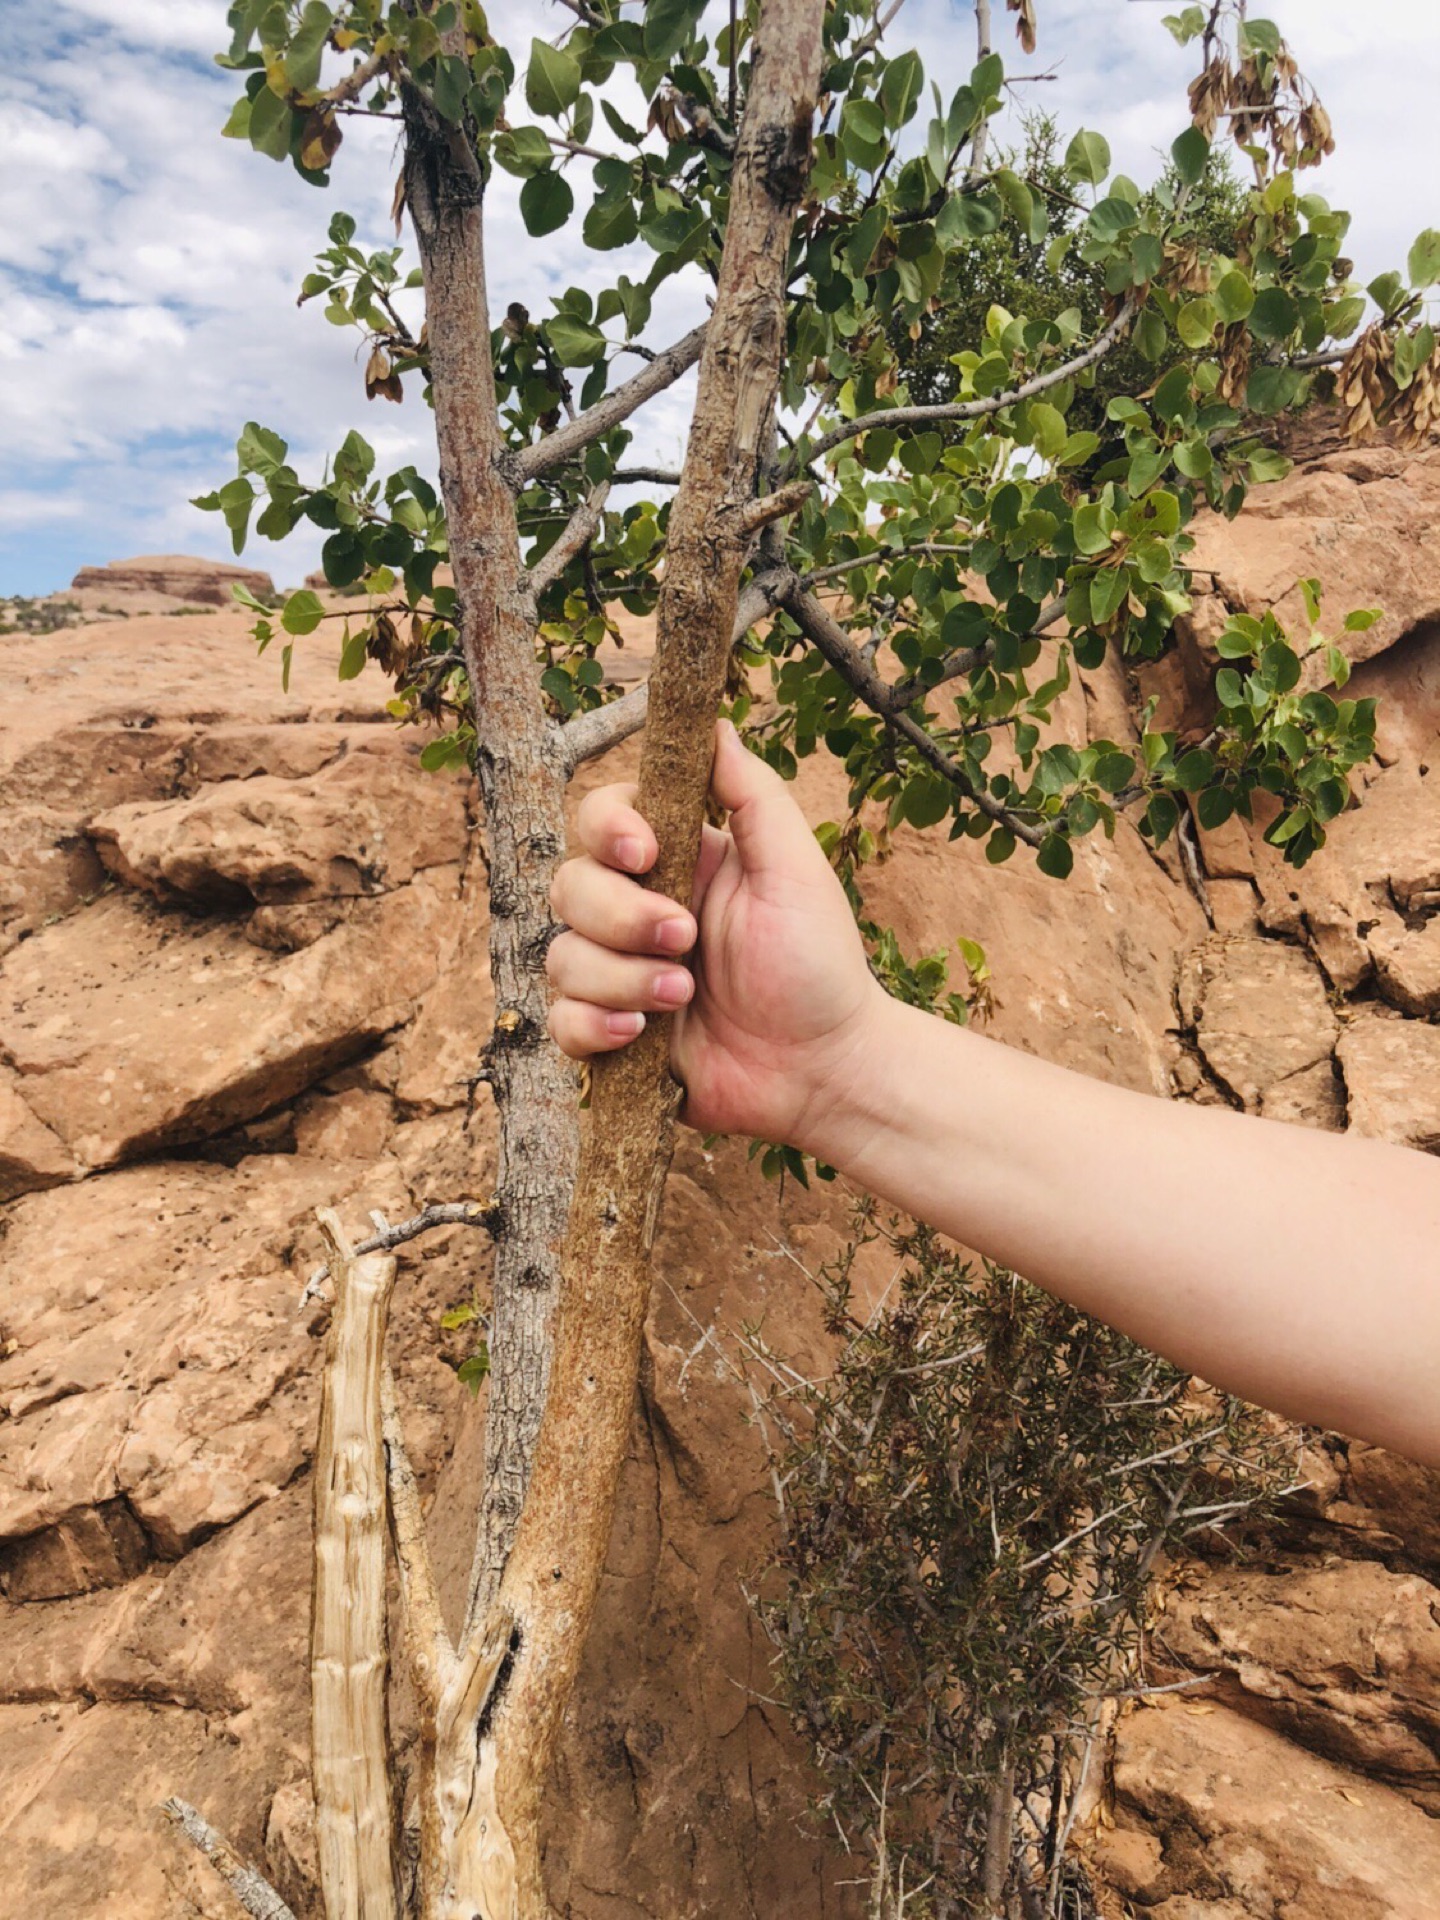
(1299, 1269)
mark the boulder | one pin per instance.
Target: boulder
(1260, 1013)
(1248, 1821)
(132, 1029)
(1391, 1068)
(1361, 1686)
(365, 823)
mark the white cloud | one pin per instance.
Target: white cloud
(149, 268)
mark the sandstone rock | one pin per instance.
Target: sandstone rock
(1260, 1012)
(1392, 1077)
(1356, 527)
(173, 576)
(366, 823)
(132, 1029)
(1393, 1502)
(1361, 1685)
(31, 1156)
(1246, 1817)
(1314, 1097)
(1407, 966)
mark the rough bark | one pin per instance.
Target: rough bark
(349, 1666)
(522, 781)
(548, 1592)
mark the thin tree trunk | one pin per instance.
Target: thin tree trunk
(349, 1667)
(547, 1595)
(522, 780)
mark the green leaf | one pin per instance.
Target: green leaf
(1091, 535)
(576, 342)
(1194, 770)
(1424, 262)
(1087, 157)
(669, 25)
(552, 80)
(353, 655)
(1161, 817)
(474, 1370)
(966, 216)
(1274, 315)
(1191, 154)
(1000, 846)
(1056, 856)
(287, 657)
(1195, 322)
(1110, 218)
(1362, 619)
(1047, 429)
(546, 202)
(1215, 807)
(1194, 459)
(1310, 594)
(302, 612)
(1234, 296)
(900, 87)
(1114, 770)
(1272, 389)
(610, 224)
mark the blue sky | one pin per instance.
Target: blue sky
(149, 268)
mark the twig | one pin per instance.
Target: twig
(1103, 343)
(457, 1213)
(565, 442)
(255, 1895)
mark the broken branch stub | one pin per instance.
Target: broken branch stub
(349, 1665)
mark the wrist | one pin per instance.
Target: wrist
(855, 1096)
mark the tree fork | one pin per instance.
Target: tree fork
(553, 1574)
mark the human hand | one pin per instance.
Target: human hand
(777, 1008)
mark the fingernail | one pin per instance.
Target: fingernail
(673, 987)
(673, 936)
(624, 1026)
(630, 852)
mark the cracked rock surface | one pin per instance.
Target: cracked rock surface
(243, 974)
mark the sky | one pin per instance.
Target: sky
(149, 268)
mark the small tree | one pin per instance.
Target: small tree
(793, 164)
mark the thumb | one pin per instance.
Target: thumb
(765, 822)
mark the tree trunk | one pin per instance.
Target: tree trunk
(547, 1595)
(522, 782)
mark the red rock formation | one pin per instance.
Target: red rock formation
(243, 975)
(160, 577)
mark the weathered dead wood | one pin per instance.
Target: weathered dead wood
(350, 1747)
(254, 1893)
(548, 1590)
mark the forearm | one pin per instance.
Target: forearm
(1298, 1269)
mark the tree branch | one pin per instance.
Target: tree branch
(255, 1894)
(831, 640)
(1103, 343)
(590, 734)
(357, 79)
(565, 442)
(579, 531)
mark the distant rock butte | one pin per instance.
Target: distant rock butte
(170, 576)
